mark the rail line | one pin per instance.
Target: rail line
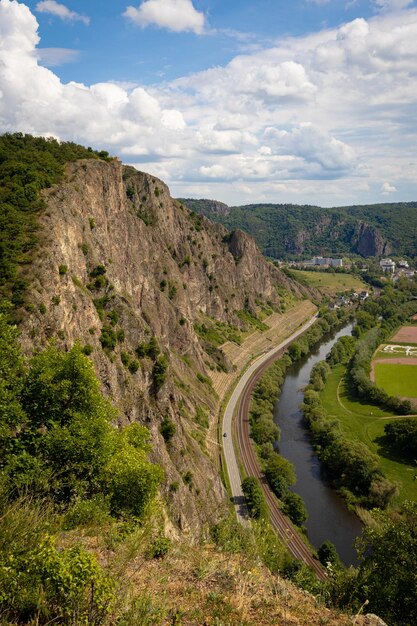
(236, 421)
(281, 524)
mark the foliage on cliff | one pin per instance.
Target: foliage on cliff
(27, 165)
(57, 446)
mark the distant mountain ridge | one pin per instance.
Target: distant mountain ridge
(288, 230)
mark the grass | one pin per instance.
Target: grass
(397, 379)
(365, 422)
(329, 283)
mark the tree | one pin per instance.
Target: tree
(12, 371)
(387, 574)
(280, 474)
(327, 553)
(295, 508)
(254, 497)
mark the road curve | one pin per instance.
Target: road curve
(238, 405)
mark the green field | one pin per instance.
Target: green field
(329, 283)
(364, 422)
(397, 379)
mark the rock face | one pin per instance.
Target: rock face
(120, 263)
(368, 241)
(207, 207)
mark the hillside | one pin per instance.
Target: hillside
(150, 290)
(126, 311)
(285, 231)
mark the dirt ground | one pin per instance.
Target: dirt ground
(406, 334)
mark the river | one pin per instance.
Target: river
(328, 516)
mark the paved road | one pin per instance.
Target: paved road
(239, 403)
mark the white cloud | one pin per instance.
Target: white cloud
(52, 57)
(313, 145)
(60, 10)
(175, 15)
(392, 5)
(322, 118)
(387, 188)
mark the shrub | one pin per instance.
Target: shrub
(159, 548)
(188, 478)
(167, 429)
(63, 269)
(133, 366)
(254, 497)
(159, 371)
(295, 508)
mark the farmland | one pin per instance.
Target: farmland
(329, 283)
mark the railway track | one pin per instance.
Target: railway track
(281, 524)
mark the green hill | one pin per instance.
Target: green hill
(290, 231)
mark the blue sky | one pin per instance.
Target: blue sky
(111, 47)
(303, 101)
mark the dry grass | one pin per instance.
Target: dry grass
(196, 586)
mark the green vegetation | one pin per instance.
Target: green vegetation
(365, 423)
(167, 429)
(62, 462)
(396, 379)
(401, 438)
(348, 414)
(329, 283)
(388, 551)
(254, 498)
(217, 333)
(276, 227)
(27, 166)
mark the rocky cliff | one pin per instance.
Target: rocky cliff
(286, 230)
(142, 282)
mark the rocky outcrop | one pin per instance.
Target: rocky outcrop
(368, 241)
(120, 263)
(210, 208)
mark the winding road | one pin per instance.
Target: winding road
(238, 406)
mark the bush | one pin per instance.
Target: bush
(254, 497)
(167, 429)
(159, 548)
(280, 474)
(295, 508)
(63, 269)
(160, 371)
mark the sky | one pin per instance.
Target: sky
(242, 101)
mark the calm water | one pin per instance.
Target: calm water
(328, 517)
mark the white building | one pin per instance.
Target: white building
(387, 265)
(326, 261)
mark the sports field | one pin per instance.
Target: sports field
(394, 364)
(329, 283)
(365, 422)
(397, 378)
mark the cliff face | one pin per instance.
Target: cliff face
(368, 241)
(121, 263)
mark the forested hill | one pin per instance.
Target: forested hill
(288, 230)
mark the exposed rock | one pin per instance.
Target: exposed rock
(368, 620)
(368, 241)
(117, 253)
(208, 207)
